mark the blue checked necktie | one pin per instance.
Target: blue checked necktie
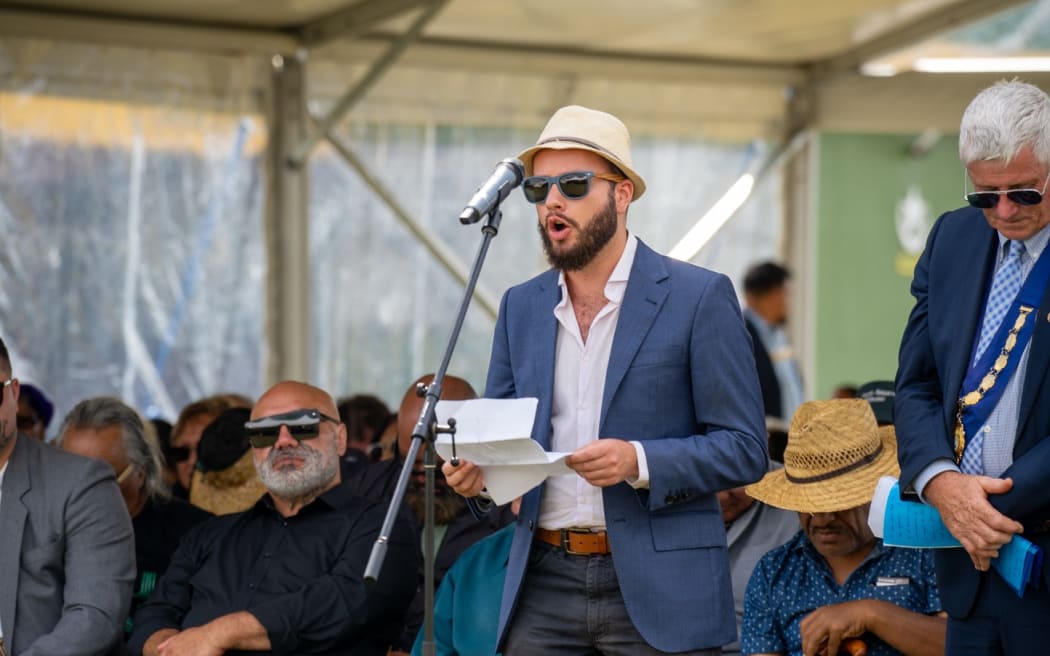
(1005, 285)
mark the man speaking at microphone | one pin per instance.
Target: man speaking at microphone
(644, 372)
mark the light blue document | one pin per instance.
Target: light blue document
(916, 525)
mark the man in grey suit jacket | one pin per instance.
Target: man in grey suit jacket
(67, 554)
(644, 371)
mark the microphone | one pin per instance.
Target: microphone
(508, 175)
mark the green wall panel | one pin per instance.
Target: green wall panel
(863, 274)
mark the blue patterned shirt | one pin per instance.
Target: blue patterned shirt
(793, 580)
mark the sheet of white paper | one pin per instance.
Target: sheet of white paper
(494, 434)
(877, 512)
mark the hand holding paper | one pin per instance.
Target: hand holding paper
(605, 462)
(963, 503)
(908, 524)
(494, 435)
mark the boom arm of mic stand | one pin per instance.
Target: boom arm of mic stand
(424, 432)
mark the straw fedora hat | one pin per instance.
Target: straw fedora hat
(579, 128)
(835, 455)
(225, 480)
(229, 490)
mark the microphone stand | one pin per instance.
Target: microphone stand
(423, 436)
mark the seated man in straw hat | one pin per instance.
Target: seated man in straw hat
(834, 580)
(287, 575)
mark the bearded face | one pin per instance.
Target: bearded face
(300, 471)
(447, 504)
(589, 242)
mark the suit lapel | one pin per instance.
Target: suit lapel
(642, 300)
(12, 525)
(545, 342)
(965, 310)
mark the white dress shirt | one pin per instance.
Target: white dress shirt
(569, 501)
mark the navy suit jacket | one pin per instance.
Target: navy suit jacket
(681, 379)
(950, 285)
(767, 375)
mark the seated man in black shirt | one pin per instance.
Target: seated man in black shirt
(286, 576)
(455, 528)
(107, 429)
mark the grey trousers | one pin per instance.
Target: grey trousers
(572, 606)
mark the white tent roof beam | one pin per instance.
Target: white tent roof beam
(912, 32)
(355, 21)
(440, 53)
(144, 33)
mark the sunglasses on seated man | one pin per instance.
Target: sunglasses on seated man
(986, 200)
(572, 185)
(302, 424)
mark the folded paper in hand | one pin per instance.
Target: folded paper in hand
(910, 524)
(494, 434)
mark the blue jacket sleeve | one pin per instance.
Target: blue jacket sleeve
(731, 449)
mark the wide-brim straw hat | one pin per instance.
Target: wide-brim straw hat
(580, 128)
(836, 453)
(229, 490)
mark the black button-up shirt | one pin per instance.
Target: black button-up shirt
(300, 576)
(159, 527)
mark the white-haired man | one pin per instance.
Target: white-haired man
(972, 408)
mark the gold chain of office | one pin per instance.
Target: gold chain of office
(988, 382)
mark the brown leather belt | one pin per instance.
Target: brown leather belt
(578, 542)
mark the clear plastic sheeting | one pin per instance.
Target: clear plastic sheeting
(131, 213)
(132, 261)
(383, 305)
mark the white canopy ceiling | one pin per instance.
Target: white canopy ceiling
(714, 68)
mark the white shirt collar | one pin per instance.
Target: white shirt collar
(1034, 245)
(616, 285)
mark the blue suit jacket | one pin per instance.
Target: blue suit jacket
(681, 379)
(950, 285)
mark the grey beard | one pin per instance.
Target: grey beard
(317, 471)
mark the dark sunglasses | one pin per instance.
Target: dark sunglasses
(986, 200)
(573, 185)
(177, 453)
(301, 424)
